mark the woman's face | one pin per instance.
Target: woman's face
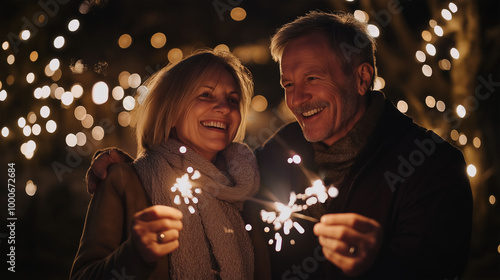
(210, 121)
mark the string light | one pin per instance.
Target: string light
(471, 170)
(5, 131)
(98, 133)
(134, 80)
(125, 41)
(117, 93)
(420, 55)
(175, 55)
(431, 50)
(3, 95)
(402, 106)
(461, 111)
(51, 126)
(454, 53)
(238, 14)
(73, 25)
(100, 92)
(361, 16)
(81, 139)
(476, 142)
(77, 90)
(446, 14)
(128, 103)
(54, 64)
(25, 35)
(430, 101)
(36, 129)
(158, 40)
(373, 30)
(59, 42)
(30, 188)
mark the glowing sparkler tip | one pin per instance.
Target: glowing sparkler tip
(333, 191)
(190, 169)
(191, 209)
(248, 227)
(183, 149)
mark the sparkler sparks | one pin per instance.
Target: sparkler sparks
(186, 189)
(281, 218)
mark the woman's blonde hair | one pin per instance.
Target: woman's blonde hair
(171, 89)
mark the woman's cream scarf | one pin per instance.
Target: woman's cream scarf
(216, 226)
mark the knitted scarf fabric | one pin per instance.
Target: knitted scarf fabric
(335, 161)
(213, 241)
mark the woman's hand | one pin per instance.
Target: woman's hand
(155, 231)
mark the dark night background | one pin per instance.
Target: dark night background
(51, 198)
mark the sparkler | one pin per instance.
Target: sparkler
(185, 188)
(282, 217)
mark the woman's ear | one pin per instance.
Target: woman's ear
(364, 76)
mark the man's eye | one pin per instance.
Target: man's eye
(311, 78)
(287, 85)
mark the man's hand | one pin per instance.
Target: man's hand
(155, 231)
(350, 241)
(98, 169)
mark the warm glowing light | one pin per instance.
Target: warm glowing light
(123, 79)
(73, 25)
(88, 121)
(444, 64)
(67, 98)
(453, 7)
(77, 90)
(492, 199)
(446, 14)
(461, 111)
(81, 139)
(30, 78)
(221, 48)
(10, 79)
(438, 30)
(54, 64)
(11, 59)
(45, 91)
(174, 55)
(462, 139)
(471, 170)
(259, 103)
(379, 83)
(134, 80)
(21, 122)
(248, 227)
(125, 41)
(430, 101)
(5, 45)
(361, 16)
(3, 95)
(440, 106)
(59, 42)
(51, 126)
(426, 35)
(158, 40)
(238, 14)
(36, 129)
(420, 55)
(128, 103)
(5, 131)
(117, 93)
(402, 106)
(476, 142)
(80, 112)
(182, 150)
(296, 159)
(48, 72)
(45, 111)
(25, 35)
(124, 118)
(31, 117)
(373, 30)
(71, 140)
(33, 56)
(27, 131)
(427, 70)
(454, 53)
(98, 133)
(58, 93)
(30, 188)
(431, 50)
(454, 135)
(100, 92)
(432, 23)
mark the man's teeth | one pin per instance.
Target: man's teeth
(312, 112)
(220, 125)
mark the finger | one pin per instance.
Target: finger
(92, 181)
(340, 232)
(163, 224)
(102, 162)
(356, 221)
(167, 248)
(346, 264)
(335, 245)
(158, 212)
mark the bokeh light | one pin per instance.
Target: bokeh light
(71, 140)
(67, 98)
(379, 83)
(158, 40)
(471, 170)
(21, 122)
(98, 133)
(444, 64)
(5, 131)
(77, 90)
(81, 139)
(3, 95)
(461, 111)
(80, 112)
(54, 64)
(402, 106)
(238, 14)
(27, 130)
(100, 93)
(430, 101)
(476, 142)
(431, 50)
(117, 93)
(88, 121)
(30, 78)
(59, 42)
(454, 53)
(124, 118)
(51, 126)
(123, 79)
(373, 30)
(11, 59)
(25, 35)
(134, 80)
(125, 41)
(462, 139)
(30, 188)
(426, 70)
(440, 106)
(34, 56)
(128, 103)
(259, 103)
(361, 16)
(426, 35)
(438, 30)
(45, 111)
(446, 14)
(174, 55)
(36, 129)
(420, 55)
(73, 25)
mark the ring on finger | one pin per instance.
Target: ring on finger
(352, 250)
(160, 237)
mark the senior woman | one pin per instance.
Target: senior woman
(191, 119)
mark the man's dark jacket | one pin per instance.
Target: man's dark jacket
(407, 178)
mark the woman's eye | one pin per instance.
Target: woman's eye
(234, 100)
(204, 95)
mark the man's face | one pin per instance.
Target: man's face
(323, 99)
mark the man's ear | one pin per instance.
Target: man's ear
(364, 76)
